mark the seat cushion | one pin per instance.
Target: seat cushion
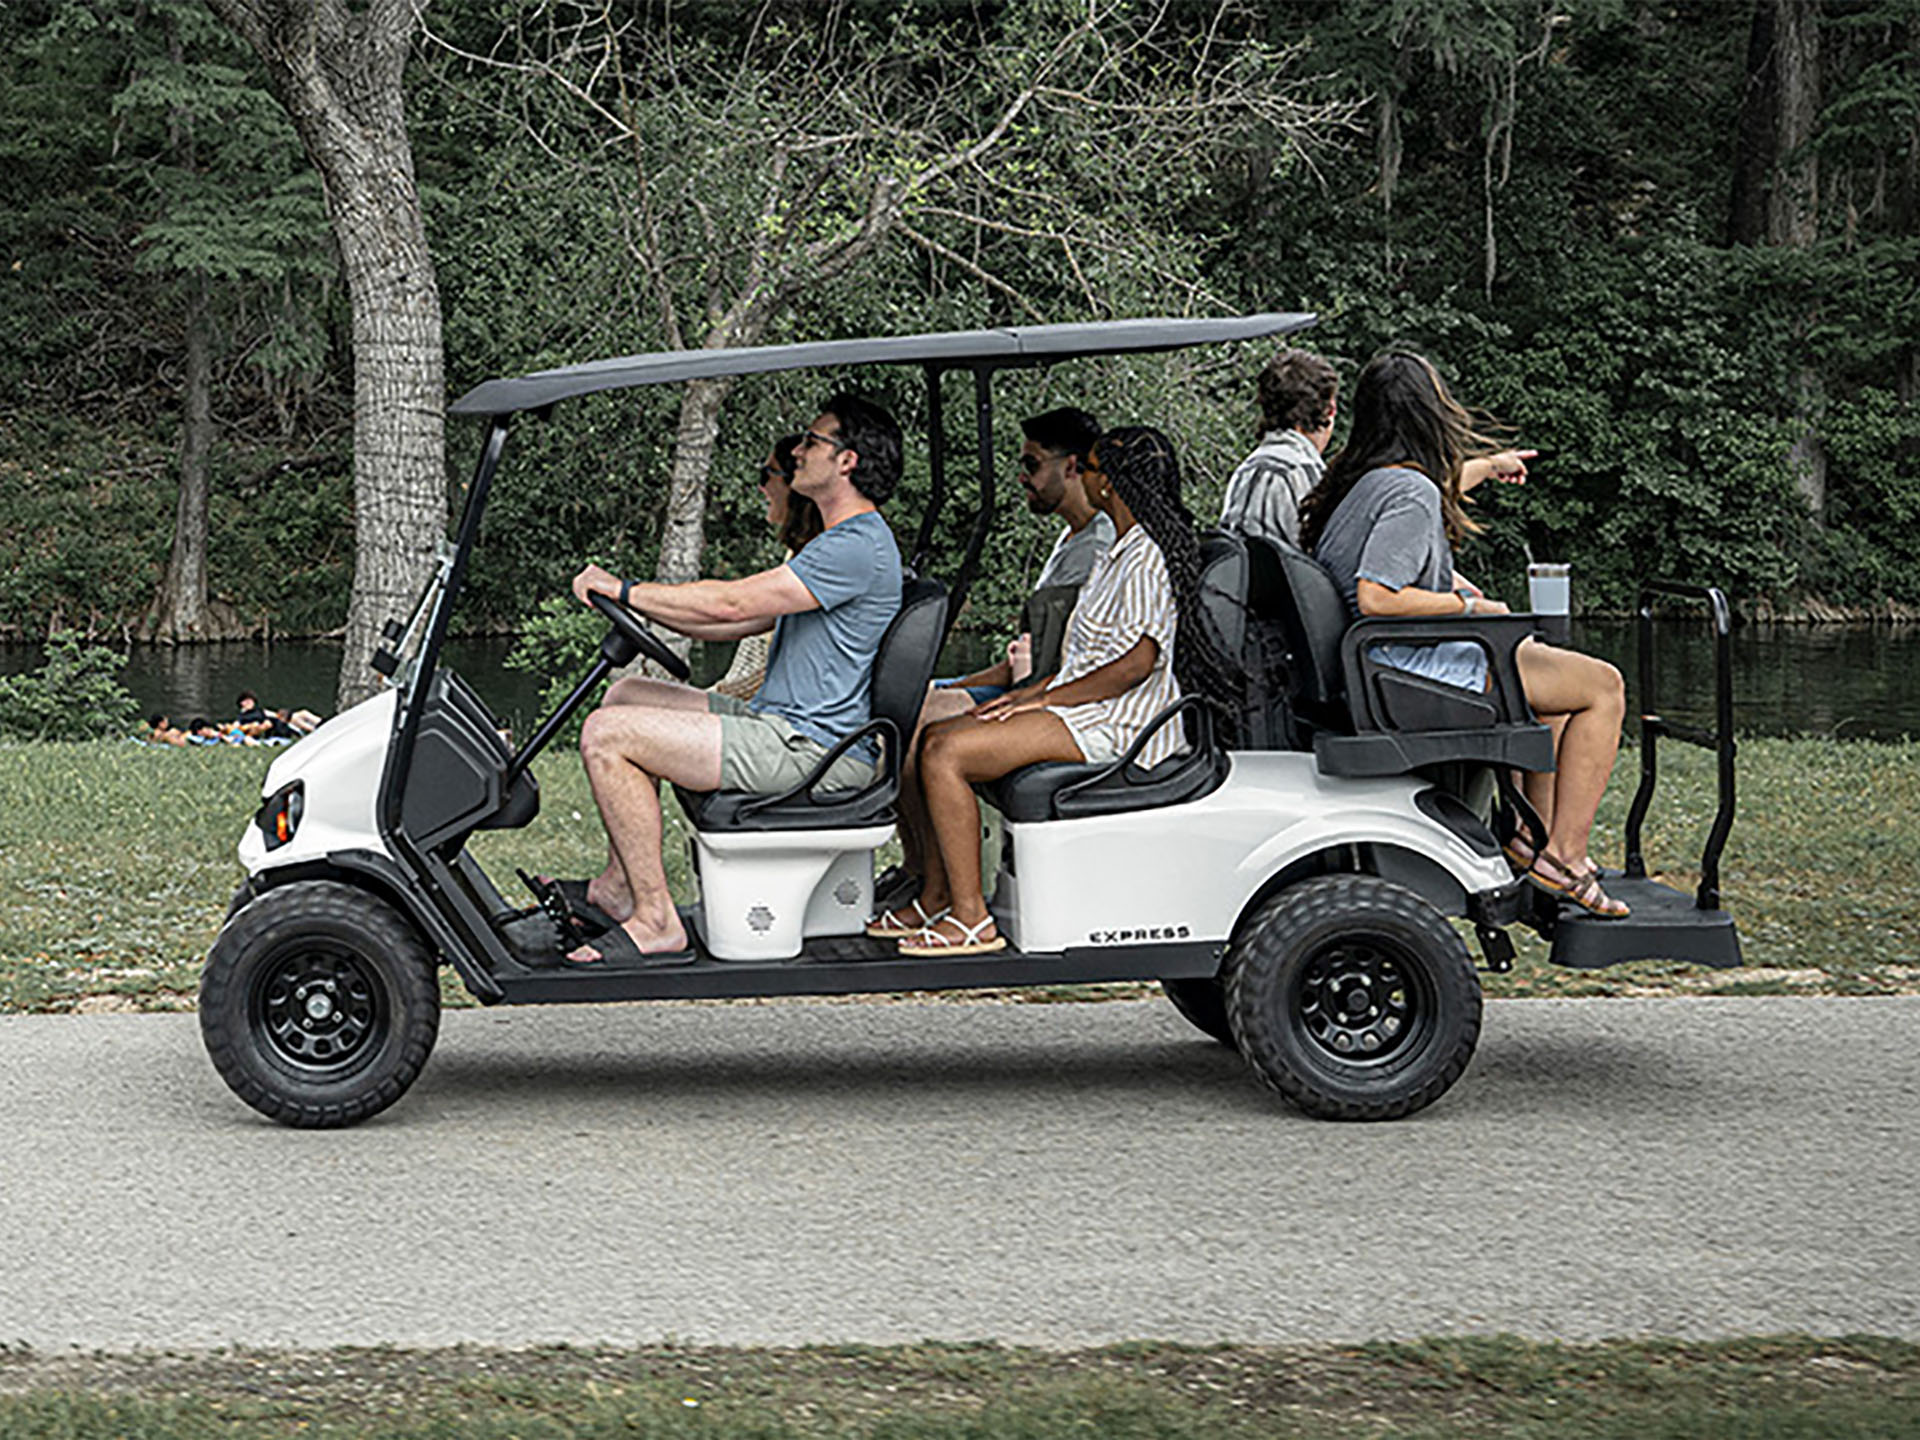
(1033, 792)
(745, 810)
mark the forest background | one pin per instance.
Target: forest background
(1675, 246)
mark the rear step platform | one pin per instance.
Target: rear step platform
(1665, 925)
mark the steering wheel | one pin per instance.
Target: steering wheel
(633, 628)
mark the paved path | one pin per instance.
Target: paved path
(1060, 1175)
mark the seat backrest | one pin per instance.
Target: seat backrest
(1298, 591)
(1223, 603)
(1223, 590)
(903, 665)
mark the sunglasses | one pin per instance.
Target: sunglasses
(811, 438)
(1030, 464)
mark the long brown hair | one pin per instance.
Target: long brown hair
(803, 520)
(1402, 416)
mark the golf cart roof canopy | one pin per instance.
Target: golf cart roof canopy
(955, 350)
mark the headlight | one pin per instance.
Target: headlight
(279, 815)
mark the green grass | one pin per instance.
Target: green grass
(117, 863)
(1488, 1387)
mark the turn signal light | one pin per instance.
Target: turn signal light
(279, 815)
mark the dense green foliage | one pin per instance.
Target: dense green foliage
(1537, 196)
(75, 695)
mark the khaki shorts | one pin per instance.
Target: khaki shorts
(766, 755)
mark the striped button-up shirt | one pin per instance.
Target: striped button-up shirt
(1264, 495)
(1127, 596)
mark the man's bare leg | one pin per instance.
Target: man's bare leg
(628, 750)
(609, 889)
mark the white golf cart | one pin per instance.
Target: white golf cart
(1289, 878)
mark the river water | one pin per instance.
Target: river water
(1850, 682)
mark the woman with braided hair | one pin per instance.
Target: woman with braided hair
(1119, 667)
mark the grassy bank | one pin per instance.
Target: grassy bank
(117, 862)
(1494, 1387)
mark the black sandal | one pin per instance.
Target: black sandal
(576, 919)
(618, 952)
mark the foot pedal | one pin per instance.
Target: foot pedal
(568, 930)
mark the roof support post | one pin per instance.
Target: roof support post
(982, 522)
(936, 469)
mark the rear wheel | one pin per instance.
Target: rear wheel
(1204, 1005)
(319, 1004)
(1354, 998)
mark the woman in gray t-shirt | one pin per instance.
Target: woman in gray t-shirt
(1385, 521)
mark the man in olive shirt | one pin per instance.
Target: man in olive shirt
(1057, 444)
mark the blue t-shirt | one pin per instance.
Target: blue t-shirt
(820, 670)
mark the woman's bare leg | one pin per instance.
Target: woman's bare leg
(942, 703)
(1590, 699)
(1537, 785)
(953, 757)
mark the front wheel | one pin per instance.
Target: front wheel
(319, 1004)
(1354, 998)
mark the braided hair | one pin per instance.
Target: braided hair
(1140, 462)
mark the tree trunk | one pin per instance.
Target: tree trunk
(683, 537)
(1793, 216)
(337, 69)
(179, 610)
(399, 394)
(1754, 145)
(1794, 194)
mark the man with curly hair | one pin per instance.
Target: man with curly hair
(1298, 399)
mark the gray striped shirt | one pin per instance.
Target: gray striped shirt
(1264, 495)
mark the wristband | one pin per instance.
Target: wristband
(1468, 603)
(626, 593)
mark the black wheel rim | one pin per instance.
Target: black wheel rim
(1363, 1001)
(319, 1011)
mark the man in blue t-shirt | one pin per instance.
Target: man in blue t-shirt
(827, 606)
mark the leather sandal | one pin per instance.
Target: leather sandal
(1582, 887)
(1519, 855)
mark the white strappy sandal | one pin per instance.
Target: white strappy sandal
(885, 927)
(930, 942)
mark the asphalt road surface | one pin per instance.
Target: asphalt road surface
(1048, 1174)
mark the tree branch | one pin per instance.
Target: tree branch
(991, 281)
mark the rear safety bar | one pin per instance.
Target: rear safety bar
(1654, 726)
